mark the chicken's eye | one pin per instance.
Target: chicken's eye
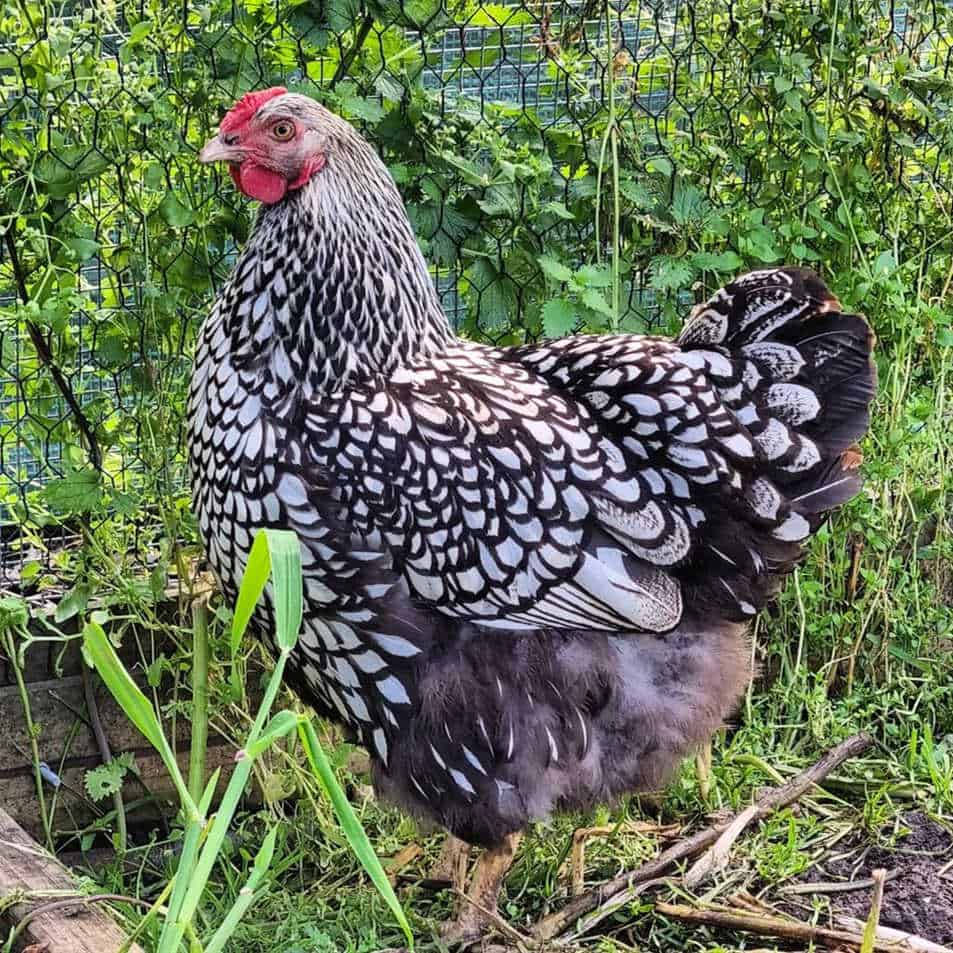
(283, 130)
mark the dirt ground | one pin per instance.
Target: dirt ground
(918, 899)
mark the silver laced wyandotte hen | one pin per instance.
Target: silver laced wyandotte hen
(529, 571)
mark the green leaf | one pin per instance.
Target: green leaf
(246, 896)
(559, 317)
(359, 107)
(555, 269)
(670, 274)
(65, 172)
(281, 723)
(106, 780)
(83, 248)
(722, 261)
(73, 602)
(660, 164)
(140, 31)
(174, 212)
(79, 492)
(14, 613)
(136, 706)
(493, 15)
(814, 130)
(885, 264)
(276, 553)
(689, 205)
(351, 826)
(594, 276)
(559, 210)
(343, 15)
(595, 300)
(493, 295)
(254, 579)
(637, 193)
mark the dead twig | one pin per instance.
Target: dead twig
(846, 886)
(772, 800)
(504, 928)
(781, 927)
(717, 857)
(909, 942)
(577, 859)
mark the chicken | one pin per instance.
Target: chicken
(529, 571)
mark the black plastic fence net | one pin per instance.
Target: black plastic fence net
(566, 165)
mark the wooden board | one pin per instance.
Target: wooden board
(67, 744)
(25, 866)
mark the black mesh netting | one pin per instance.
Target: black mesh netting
(566, 165)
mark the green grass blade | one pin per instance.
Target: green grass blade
(285, 550)
(173, 929)
(275, 553)
(134, 703)
(246, 895)
(350, 824)
(213, 842)
(200, 659)
(255, 577)
(226, 810)
(282, 723)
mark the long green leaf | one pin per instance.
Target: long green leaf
(134, 703)
(246, 895)
(287, 582)
(173, 929)
(213, 843)
(257, 570)
(350, 824)
(275, 553)
(281, 724)
(226, 810)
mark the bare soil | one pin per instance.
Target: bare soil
(918, 899)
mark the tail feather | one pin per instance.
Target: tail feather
(801, 381)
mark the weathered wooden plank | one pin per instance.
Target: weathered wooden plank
(58, 707)
(65, 739)
(25, 866)
(18, 790)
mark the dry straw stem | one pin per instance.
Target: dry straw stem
(773, 800)
(581, 835)
(784, 928)
(909, 942)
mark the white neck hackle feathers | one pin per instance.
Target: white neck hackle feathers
(332, 285)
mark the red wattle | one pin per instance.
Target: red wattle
(260, 183)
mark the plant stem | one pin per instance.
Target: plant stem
(45, 355)
(200, 654)
(344, 64)
(105, 753)
(10, 648)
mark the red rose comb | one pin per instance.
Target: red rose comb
(247, 106)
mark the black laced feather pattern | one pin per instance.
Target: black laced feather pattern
(750, 424)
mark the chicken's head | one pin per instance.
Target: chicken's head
(273, 141)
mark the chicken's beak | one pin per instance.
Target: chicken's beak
(216, 150)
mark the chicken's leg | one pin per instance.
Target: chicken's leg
(451, 865)
(473, 921)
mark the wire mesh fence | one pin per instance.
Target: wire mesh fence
(571, 165)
